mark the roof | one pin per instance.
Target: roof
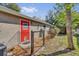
(10, 11)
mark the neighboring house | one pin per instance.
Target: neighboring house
(15, 28)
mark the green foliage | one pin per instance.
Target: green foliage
(14, 6)
(69, 6)
(62, 19)
(58, 18)
(51, 17)
(75, 19)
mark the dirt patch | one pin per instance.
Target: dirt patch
(52, 45)
(17, 51)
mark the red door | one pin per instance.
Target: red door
(25, 30)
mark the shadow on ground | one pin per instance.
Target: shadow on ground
(58, 52)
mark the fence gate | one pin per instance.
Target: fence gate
(36, 43)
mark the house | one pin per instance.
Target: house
(15, 27)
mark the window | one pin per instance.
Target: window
(41, 33)
(25, 25)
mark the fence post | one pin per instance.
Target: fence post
(43, 37)
(32, 42)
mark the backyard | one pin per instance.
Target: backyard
(57, 47)
(54, 34)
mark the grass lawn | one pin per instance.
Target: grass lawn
(58, 44)
(74, 52)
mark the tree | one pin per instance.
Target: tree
(75, 19)
(68, 8)
(12, 6)
(50, 18)
(56, 17)
(64, 14)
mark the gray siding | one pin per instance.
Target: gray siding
(9, 28)
(35, 26)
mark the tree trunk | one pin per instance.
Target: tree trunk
(69, 29)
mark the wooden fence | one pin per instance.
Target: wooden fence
(33, 41)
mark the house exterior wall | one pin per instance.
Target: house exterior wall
(9, 30)
(35, 26)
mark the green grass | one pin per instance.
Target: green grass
(74, 52)
(75, 42)
(53, 45)
(57, 44)
(65, 41)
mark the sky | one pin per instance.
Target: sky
(37, 9)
